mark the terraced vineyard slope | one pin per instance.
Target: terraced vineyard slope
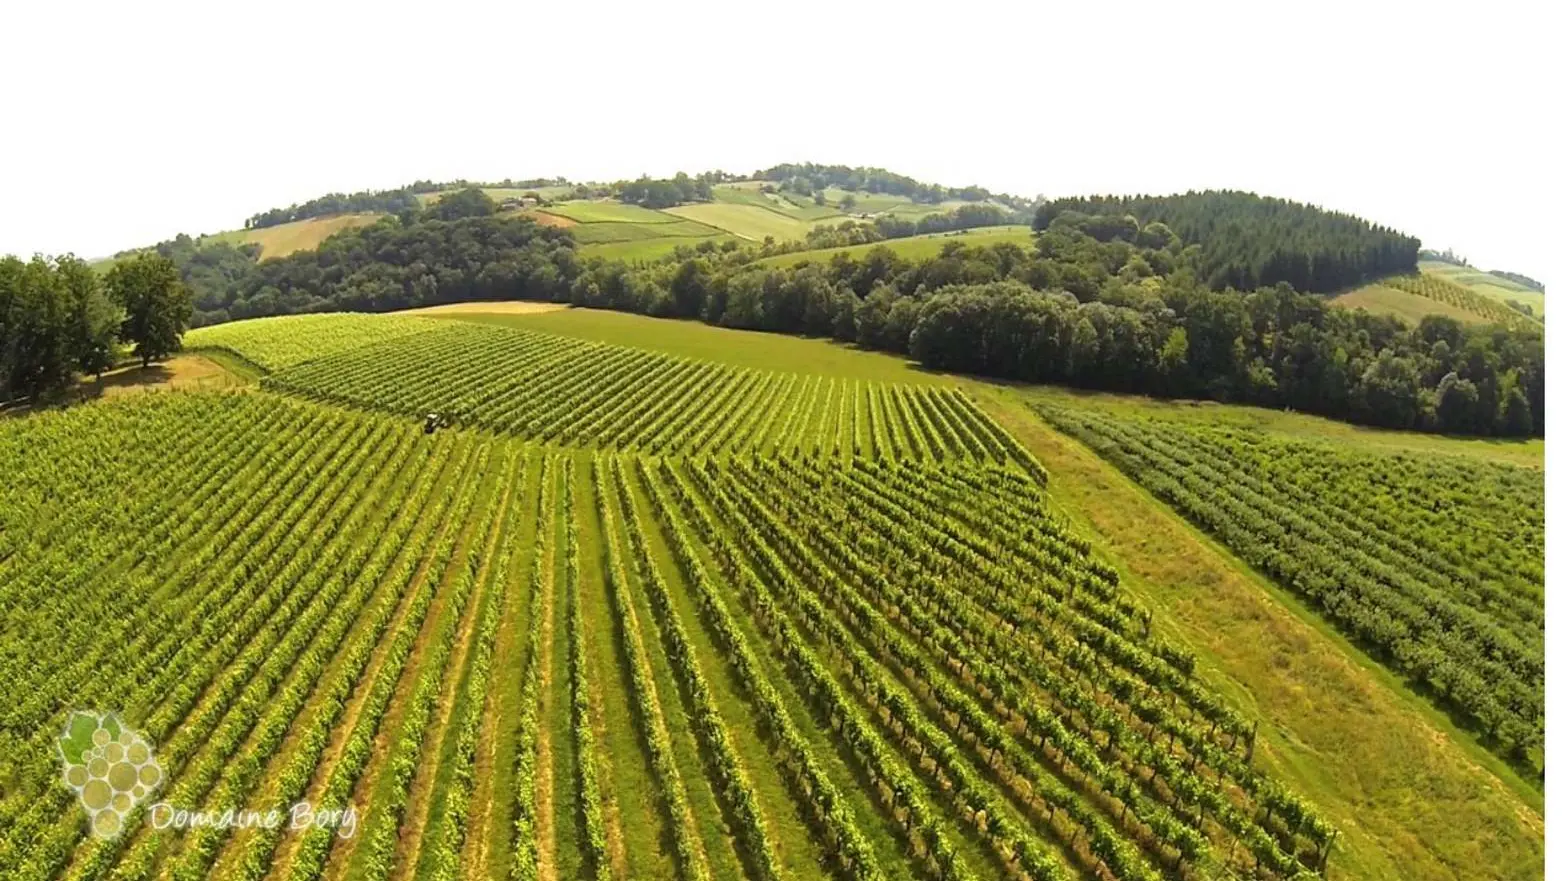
(571, 392)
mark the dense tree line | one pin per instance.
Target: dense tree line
(396, 201)
(1447, 256)
(961, 217)
(650, 193)
(60, 318)
(387, 201)
(210, 269)
(1111, 315)
(1251, 241)
(398, 264)
(467, 202)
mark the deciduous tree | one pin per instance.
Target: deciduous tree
(156, 303)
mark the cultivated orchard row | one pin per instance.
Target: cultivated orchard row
(1443, 291)
(517, 663)
(1433, 562)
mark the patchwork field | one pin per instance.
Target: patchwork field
(746, 221)
(788, 205)
(1483, 283)
(299, 235)
(601, 233)
(674, 601)
(608, 212)
(913, 247)
(739, 210)
(616, 231)
(637, 250)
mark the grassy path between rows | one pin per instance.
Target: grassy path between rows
(373, 785)
(494, 811)
(436, 767)
(562, 849)
(631, 817)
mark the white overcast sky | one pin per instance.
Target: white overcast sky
(130, 122)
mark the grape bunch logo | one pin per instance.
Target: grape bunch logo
(111, 768)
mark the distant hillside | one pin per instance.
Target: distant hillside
(1412, 297)
(1250, 241)
(1499, 287)
(756, 211)
(1519, 278)
(1099, 298)
(1451, 257)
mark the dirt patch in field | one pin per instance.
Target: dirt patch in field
(546, 219)
(497, 307)
(180, 371)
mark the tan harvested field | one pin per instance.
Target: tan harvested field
(300, 235)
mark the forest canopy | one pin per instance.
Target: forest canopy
(1250, 241)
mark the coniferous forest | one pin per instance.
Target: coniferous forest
(1251, 241)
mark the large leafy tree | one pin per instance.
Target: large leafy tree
(156, 303)
(93, 318)
(469, 202)
(36, 357)
(55, 320)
